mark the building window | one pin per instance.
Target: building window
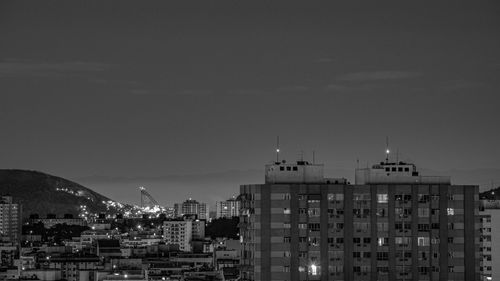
(423, 212)
(381, 212)
(383, 241)
(450, 211)
(382, 198)
(314, 241)
(423, 227)
(402, 240)
(295, 168)
(382, 256)
(287, 239)
(423, 241)
(313, 212)
(286, 196)
(382, 226)
(314, 269)
(286, 211)
(423, 198)
(314, 226)
(302, 225)
(335, 197)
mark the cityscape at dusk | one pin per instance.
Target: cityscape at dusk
(249, 140)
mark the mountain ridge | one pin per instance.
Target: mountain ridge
(41, 193)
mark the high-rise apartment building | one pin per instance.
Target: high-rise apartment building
(191, 207)
(10, 220)
(228, 209)
(486, 265)
(392, 224)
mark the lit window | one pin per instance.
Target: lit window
(286, 211)
(450, 211)
(314, 269)
(423, 241)
(382, 198)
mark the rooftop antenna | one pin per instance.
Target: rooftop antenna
(387, 151)
(277, 149)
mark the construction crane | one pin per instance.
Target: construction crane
(146, 199)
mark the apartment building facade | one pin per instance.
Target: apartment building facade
(227, 209)
(10, 220)
(392, 224)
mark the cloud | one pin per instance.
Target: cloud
(27, 68)
(377, 75)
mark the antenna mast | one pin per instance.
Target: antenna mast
(277, 149)
(387, 151)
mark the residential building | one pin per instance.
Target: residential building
(178, 232)
(392, 224)
(486, 248)
(191, 207)
(10, 220)
(228, 209)
(198, 229)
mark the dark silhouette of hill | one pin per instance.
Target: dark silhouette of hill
(492, 194)
(43, 194)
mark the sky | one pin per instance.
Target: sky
(187, 97)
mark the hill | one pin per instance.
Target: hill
(492, 194)
(42, 194)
